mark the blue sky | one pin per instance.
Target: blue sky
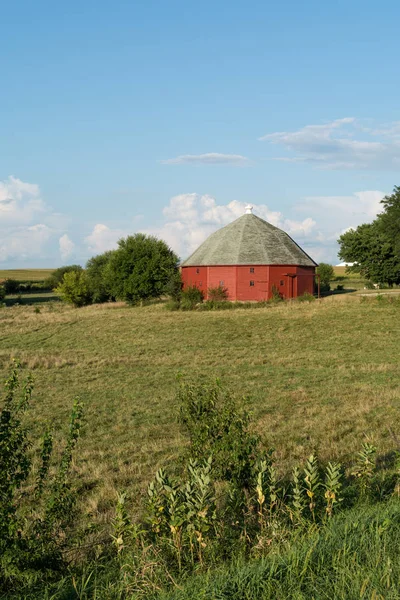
(169, 117)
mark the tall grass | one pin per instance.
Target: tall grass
(355, 556)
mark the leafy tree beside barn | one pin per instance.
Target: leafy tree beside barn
(374, 248)
(141, 268)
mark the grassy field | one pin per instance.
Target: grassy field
(322, 376)
(25, 274)
(349, 281)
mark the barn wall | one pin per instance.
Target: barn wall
(305, 280)
(278, 277)
(195, 276)
(237, 280)
(225, 277)
(256, 292)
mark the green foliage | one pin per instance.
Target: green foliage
(276, 295)
(312, 483)
(173, 289)
(11, 286)
(298, 502)
(215, 425)
(140, 268)
(365, 466)
(75, 288)
(58, 275)
(354, 556)
(217, 294)
(375, 247)
(325, 272)
(36, 508)
(324, 288)
(389, 220)
(2, 292)
(332, 485)
(191, 297)
(181, 513)
(306, 297)
(96, 278)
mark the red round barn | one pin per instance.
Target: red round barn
(251, 258)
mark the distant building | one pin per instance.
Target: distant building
(250, 258)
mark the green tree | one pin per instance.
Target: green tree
(95, 270)
(57, 276)
(326, 273)
(372, 251)
(389, 220)
(140, 268)
(2, 293)
(74, 288)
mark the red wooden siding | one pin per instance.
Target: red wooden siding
(225, 277)
(195, 276)
(291, 281)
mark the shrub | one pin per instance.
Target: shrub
(74, 288)
(326, 273)
(191, 297)
(58, 275)
(173, 289)
(369, 285)
(172, 305)
(2, 292)
(276, 295)
(217, 294)
(324, 288)
(215, 425)
(11, 286)
(306, 297)
(36, 508)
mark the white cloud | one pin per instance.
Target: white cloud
(212, 158)
(67, 246)
(28, 227)
(19, 202)
(24, 243)
(341, 144)
(193, 217)
(103, 238)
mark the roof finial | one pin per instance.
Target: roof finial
(249, 209)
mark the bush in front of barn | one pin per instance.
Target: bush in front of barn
(191, 297)
(218, 293)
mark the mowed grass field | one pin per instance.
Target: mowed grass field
(321, 376)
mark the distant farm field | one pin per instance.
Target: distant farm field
(25, 274)
(318, 377)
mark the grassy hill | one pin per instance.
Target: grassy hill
(321, 376)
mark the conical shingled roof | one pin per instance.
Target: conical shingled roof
(249, 241)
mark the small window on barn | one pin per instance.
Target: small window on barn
(221, 283)
(282, 282)
(251, 269)
(251, 283)
(197, 270)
